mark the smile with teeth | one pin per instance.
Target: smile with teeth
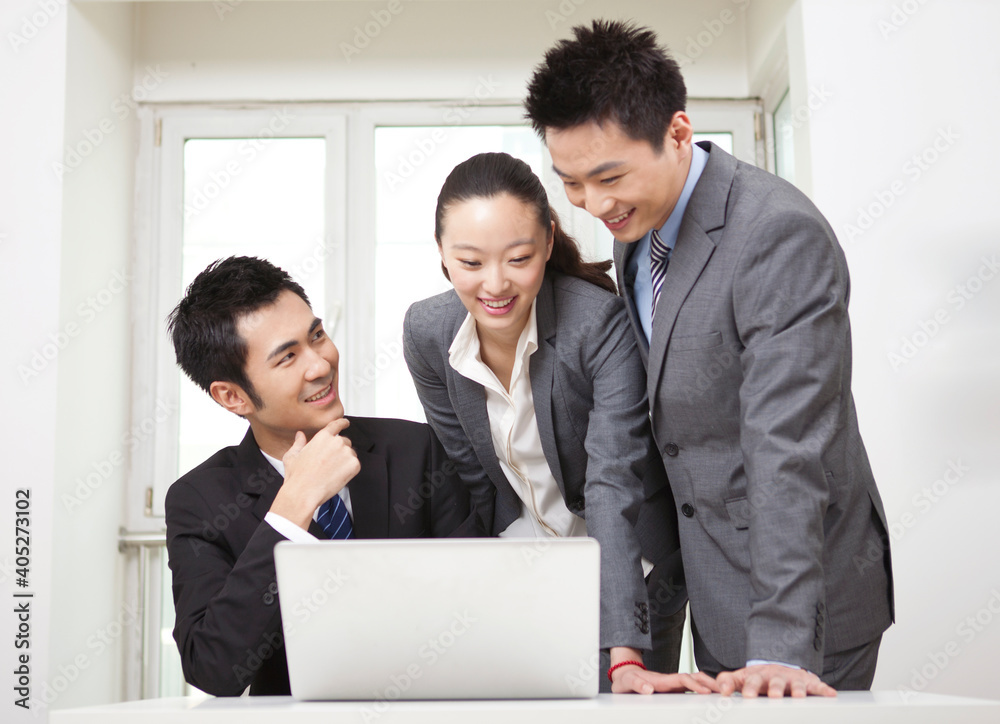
(321, 394)
(497, 303)
(619, 219)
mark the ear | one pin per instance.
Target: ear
(680, 131)
(232, 397)
(551, 242)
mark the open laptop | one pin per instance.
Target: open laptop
(383, 620)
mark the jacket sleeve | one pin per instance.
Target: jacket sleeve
(790, 302)
(425, 362)
(617, 449)
(227, 619)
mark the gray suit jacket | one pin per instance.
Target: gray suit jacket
(589, 394)
(783, 532)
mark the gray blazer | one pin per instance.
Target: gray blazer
(783, 533)
(588, 386)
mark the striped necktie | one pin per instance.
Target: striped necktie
(334, 519)
(659, 257)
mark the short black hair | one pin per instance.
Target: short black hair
(613, 70)
(203, 326)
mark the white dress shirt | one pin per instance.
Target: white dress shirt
(286, 527)
(516, 441)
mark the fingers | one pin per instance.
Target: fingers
(799, 689)
(647, 682)
(776, 687)
(338, 426)
(705, 682)
(752, 686)
(297, 445)
(630, 682)
(728, 682)
(820, 688)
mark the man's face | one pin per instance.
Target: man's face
(292, 365)
(623, 182)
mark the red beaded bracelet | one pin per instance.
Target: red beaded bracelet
(624, 663)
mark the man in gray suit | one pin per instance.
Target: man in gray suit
(737, 291)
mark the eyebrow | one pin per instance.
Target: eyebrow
(511, 245)
(606, 166)
(292, 343)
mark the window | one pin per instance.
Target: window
(341, 196)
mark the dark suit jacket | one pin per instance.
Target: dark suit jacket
(228, 628)
(782, 529)
(590, 406)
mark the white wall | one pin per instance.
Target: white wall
(32, 80)
(431, 49)
(900, 82)
(92, 410)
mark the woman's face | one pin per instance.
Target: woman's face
(495, 251)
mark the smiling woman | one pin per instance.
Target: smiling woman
(530, 376)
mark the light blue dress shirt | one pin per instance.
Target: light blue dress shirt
(638, 264)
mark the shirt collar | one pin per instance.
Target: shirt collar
(464, 356)
(672, 226)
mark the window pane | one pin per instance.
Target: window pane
(412, 164)
(723, 140)
(248, 197)
(784, 140)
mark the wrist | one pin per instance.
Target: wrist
(298, 509)
(622, 665)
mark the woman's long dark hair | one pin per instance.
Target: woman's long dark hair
(487, 175)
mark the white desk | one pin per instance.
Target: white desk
(851, 707)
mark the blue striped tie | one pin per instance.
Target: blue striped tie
(334, 519)
(659, 257)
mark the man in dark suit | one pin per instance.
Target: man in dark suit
(737, 291)
(245, 333)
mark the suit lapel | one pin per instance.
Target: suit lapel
(469, 400)
(369, 489)
(259, 479)
(622, 254)
(541, 367)
(705, 214)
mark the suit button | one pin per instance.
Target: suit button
(820, 607)
(819, 631)
(671, 449)
(817, 643)
(576, 505)
(687, 510)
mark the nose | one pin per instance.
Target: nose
(597, 202)
(319, 366)
(495, 280)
